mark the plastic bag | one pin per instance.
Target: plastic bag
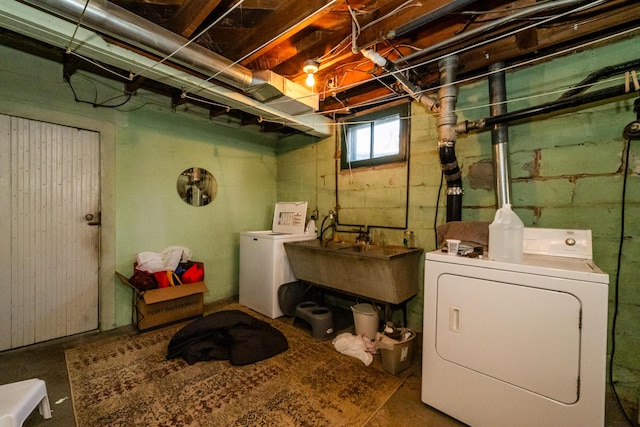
(353, 345)
(166, 260)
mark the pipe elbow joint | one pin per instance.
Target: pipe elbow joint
(430, 102)
(374, 57)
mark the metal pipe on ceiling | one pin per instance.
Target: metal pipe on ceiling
(494, 24)
(438, 13)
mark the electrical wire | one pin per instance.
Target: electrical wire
(541, 95)
(617, 287)
(99, 65)
(95, 103)
(617, 282)
(394, 12)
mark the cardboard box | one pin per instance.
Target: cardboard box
(161, 307)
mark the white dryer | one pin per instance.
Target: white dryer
(518, 344)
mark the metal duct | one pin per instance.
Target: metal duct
(110, 19)
(437, 13)
(500, 135)
(447, 136)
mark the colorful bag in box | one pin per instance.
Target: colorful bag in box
(166, 279)
(194, 274)
(143, 281)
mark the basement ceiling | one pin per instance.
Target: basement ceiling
(281, 36)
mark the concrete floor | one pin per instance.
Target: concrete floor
(47, 361)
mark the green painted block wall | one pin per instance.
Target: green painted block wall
(152, 145)
(566, 173)
(151, 216)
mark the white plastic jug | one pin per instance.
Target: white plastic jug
(505, 236)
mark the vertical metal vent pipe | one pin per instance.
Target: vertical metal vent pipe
(447, 136)
(500, 135)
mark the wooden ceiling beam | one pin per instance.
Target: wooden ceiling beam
(191, 15)
(158, 2)
(290, 18)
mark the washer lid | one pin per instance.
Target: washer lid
(289, 217)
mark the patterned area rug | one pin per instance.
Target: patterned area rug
(126, 381)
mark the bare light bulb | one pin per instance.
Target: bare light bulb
(310, 80)
(310, 67)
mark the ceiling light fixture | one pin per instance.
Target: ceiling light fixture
(310, 67)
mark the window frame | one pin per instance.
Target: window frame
(378, 114)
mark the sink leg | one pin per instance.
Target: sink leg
(388, 312)
(403, 307)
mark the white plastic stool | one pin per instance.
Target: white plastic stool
(18, 400)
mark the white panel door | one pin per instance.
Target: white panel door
(49, 192)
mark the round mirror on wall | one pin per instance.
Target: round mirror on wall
(197, 186)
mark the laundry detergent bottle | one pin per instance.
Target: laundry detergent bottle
(505, 236)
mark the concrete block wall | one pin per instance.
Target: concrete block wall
(567, 172)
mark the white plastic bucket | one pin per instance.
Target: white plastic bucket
(366, 320)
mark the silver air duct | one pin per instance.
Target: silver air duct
(500, 135)
(119, 23)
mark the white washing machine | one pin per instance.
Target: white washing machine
(523, 344)
(264, 265)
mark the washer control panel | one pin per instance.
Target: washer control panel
(558, 242)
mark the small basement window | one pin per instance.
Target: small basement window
(375, 137)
